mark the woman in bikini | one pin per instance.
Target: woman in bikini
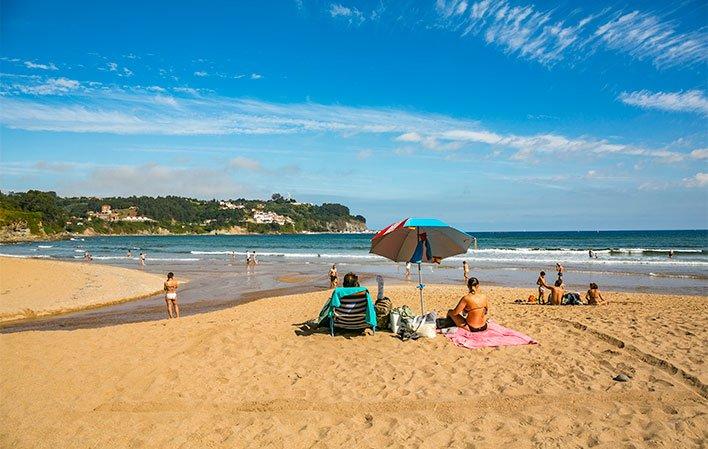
(170, 287)
(472, 311)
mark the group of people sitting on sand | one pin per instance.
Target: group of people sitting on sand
(557, 291)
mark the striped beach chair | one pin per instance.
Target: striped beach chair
(349, 308)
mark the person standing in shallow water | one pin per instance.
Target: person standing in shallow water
(170, 287)
(333, 277)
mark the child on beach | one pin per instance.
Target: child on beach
(593, 296)
(466, 270)
(142, 259)
(170, 287)
(541, 282)
(560, 269)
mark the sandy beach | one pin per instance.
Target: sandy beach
(35, 288)
(248, 376)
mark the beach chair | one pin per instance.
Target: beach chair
(349, 308)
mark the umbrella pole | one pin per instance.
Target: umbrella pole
(421, 286)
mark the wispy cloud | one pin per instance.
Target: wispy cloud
(688, 101)
(52, 86)
(36, 65)
(93, 107)
(701, 153)
(201, 73)
(351, 14)
(549, 36)
(646, 36)
(698, 180)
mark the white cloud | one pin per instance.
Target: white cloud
(244, 163)
(127, 72)
(256, 76)
(646, 36)
(154, 179)
(523, 31)
(52, 86)
(112, 66)
(698, 180)
(353, 15)
(688, 101)
(34, 65)
(701, 153)
(547, 37)
(201, 73)
(116, 110)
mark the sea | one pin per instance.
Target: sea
(219, 277)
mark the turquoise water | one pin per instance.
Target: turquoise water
(640, 252)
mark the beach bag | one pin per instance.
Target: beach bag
(571, 299)
(423, 325)
(383, 308)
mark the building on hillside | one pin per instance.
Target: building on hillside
(108, 214)
(228, 205)
(271, 217)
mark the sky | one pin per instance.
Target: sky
(490, 115)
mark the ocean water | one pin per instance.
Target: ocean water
(219, 278)
(622, 252)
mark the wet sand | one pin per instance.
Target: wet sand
(248, 376)
(31, 288)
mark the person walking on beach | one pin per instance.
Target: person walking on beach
(465, 270)
(142, 259)
(541, 282)
(333, 277)
(408, 271)
(254, 261)
(170, 287)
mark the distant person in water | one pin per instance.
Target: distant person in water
(541, 282)
(87, 256)
(590, 253)
(333, 278)
(408, 270)
(557, 291)
(170, 287)
(142, 259)
(560, 269)
(254, 261)
(129, 255)
(671, 254)
(465, 270)
(593, 296)
(472, 310)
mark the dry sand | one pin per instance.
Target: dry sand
(247, 377)
(33, 287)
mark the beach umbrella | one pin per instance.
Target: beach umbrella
(419, 240)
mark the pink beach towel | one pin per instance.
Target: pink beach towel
(496, 335)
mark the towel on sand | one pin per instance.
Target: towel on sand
(495, 335)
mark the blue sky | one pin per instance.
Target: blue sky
(493, 115)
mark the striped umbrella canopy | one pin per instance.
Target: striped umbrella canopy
(419, 240)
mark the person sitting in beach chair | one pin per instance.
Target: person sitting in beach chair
(350, 307)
